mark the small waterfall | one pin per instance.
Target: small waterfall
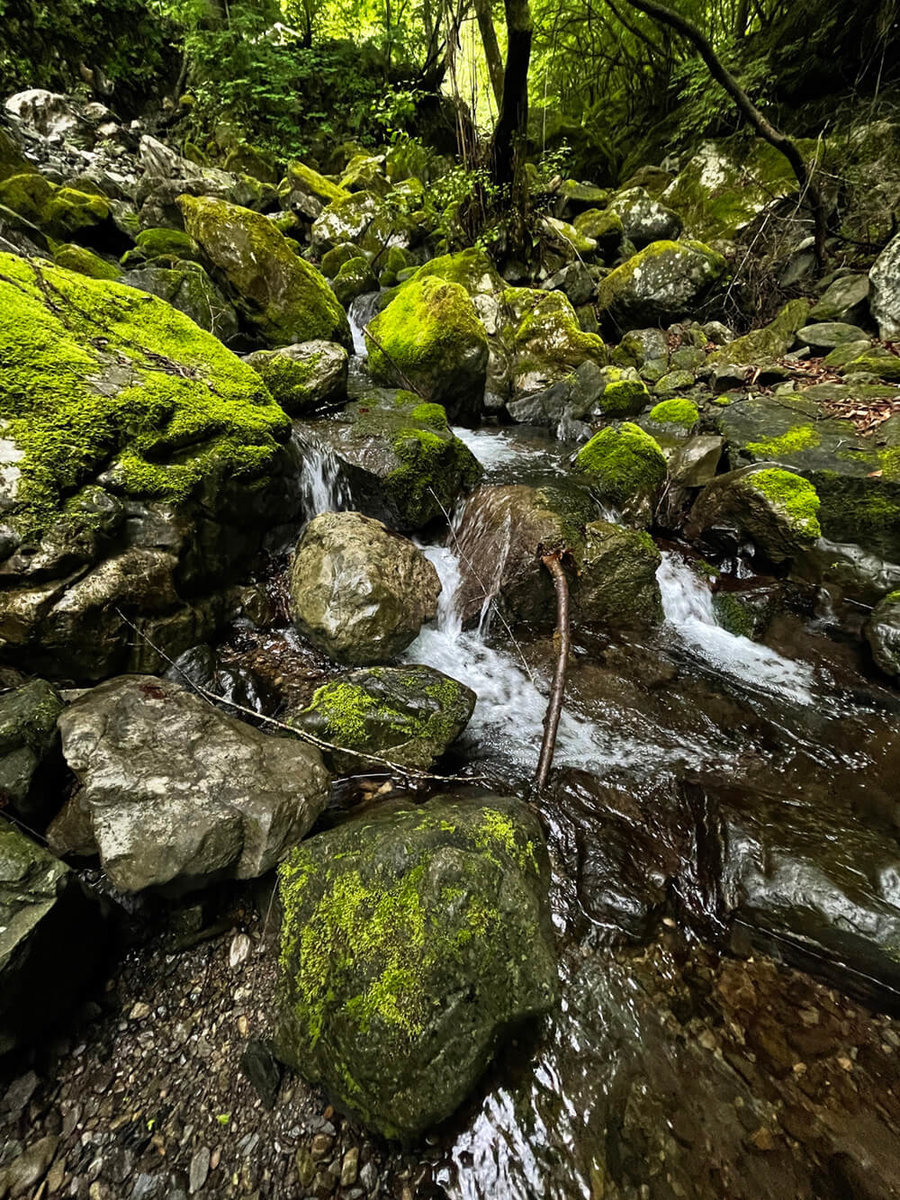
(323, 487)
(360, 313)
(688, 608)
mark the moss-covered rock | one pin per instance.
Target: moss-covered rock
(12, 158)
(605, 228)
(30, 759)
(663, 283)
(567, 240)
(471, 269)
(61, 212)
(617, 586)
(772, 341)
(188, 288)
(304, 377)
(361, 218)
(430, 336)
(645, 219)
(334, 259)
(624, 394)
(301, 180)
(401, 461)
(102, 384)
(544, 341)
(408, 715)
(388, 921)
(365, 173)
(682, 413)
(626, 468)
(358, 591)
(84, 261)
(355, 278)
(283, 297)
(166, 247)
(777, 509)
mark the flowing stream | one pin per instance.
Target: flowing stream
(719, 805)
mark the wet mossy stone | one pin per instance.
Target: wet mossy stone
(623, 395)
(412, 942)
(355, 278)
(362, 218)
(306, 181)
(170, 245)
(52, 937)
(883, 634)
(401, 460)
(409, 715)
(334, 259)
(617, 586)
(359, 592)
(663, 283)
(777, 509)
(61, 212)
(472, 269)
(626, 468)
(187, 287)
(304, 377)
(30, 758)
(281, 296)
(544, 341)
(847, 299)
(682, 413)
(430, 336)
(84, 261)
(603, 227)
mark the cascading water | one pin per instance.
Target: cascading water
(360, 313)
(323, 487)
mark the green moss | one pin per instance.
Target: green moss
(706, 266)
(681, 412)
(346, 710)
(472, 269)
(890, 464)
(772, 341)
(423, 329)
(498, 831)
(624, 462)
(801, 437)
(339, 256)
(96, 376)
(430, 473)
(162, 246)
(793, 496)
(733, 616)
(431, 414)
(301, 178)
(85, 262)
(623, 398)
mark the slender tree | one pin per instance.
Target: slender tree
(748, 110)
(513, 119)
(491, 47)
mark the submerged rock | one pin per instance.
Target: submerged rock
(281, 295)
(30, 760)
(409, 715)
(52, 937)
(412, 941)
(176, 793)
(777, 509)
(304, 377)
(430, 337)
(358, 591)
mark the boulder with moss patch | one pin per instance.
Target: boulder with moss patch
(777, 509)
(304, 377)
(30, 760)
(412, 941)
(302, 182)
(399, 458)
(284, 298)
(624, 394)
(430, 337)
(645, 219)
(188, 288)
(605, 228)
(409, 715)
(883, 634)
(544, 341)
(362, 218)
(61, 212)
(354, 279)
(166, 247)
(772, 341)
(626, 468)
(84, 261)
(680, 415)
(140, 463)
(664, 282)
(617, 586)
(358, 591)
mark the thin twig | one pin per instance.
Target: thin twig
(553, 563)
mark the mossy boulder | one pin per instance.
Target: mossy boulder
(682, 414)
(663, 283)
(617, 586)
(624, 394)
(30, 760)
(401, 461)
(645, 219)
(472, 269)
(301, 180)
(626, 468)
(362, 218)
(111, 399)
(188, 288)
(84, 261)
(430, 336)
(355, 278)
(883, 634)
(334, 259)
(284, 298)
(365, 172)
(772, 341)
(359, 592)
(61, 212)
(408, 715)
(167, 247)
(304, 377)
(53, 936)
(605, 228)
(846, 299)
(777, 509)
(411, 942)
(566, 240)
(544, 341)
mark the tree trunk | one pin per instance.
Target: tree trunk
(747, 109)
(491, 48)
(513, 119)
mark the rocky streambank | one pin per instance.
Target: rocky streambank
(278, 467)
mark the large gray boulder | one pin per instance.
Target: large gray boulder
(358, 591)
(665, 282)
(176, 793)
(52, 936)
(885, 298)
(411, 942)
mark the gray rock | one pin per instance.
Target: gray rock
(847, 299)
(30, 760)
(189, 289)
(827, 334)
(21, 1177)
(432, 936)
(177, 793)
(693, 464)
(663, 283)
(644, 219)
(885, 297)
(305, 376)
(358, 591)
(883, 634)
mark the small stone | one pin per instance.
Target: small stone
(140, 1011)
(763, 1139)
(368, 1176)
(199, 1169)
(243, 1026)
(260, 1066)
(321, 1145)
(239, 951)
(350, 1167)
(306, 1167)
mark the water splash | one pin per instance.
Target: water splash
(323, 487)
(359, 314)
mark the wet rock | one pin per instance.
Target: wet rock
(762, 345)
(179, 794)
(23, 1174)
(189, 289)
(302, 182)
(354, 278)
(363, 219)
(263, 1070)
(694, 463)
(439, 918)
(30, 760)
(626, 468)
(303, 377)
(358, 591)
(883, 634)
(617, 586)
(429, 337)
(645, 219)
(281, 296)
(605, 228)
(409, 715)
(52, 936)
(663, 283)
(398, 456)
(544, 341)
(776, 508)
(885, 296)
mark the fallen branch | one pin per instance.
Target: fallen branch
(553, 563)
(408, 773)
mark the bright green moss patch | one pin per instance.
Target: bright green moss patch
(623, 398)
(624, 462)
(801, 437)
(676, 412)
(424, 330)
(85, 262)
(793, 496)
(97, 378)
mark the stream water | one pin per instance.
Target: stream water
(722, 813)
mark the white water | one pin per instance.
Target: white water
(360, 313)
(688, 607)
(493, 447)
(322, 485)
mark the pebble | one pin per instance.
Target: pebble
(139, 1011)
(239, 951)
(321, 1145)
(350, 1167)
(199, 1169)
